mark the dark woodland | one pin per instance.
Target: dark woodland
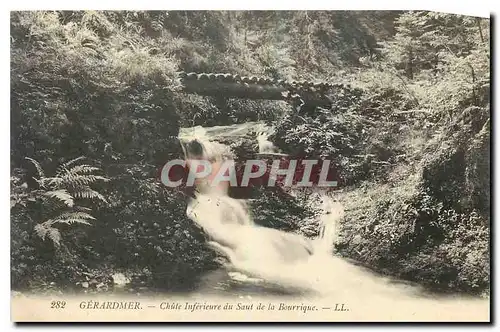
(98, 99)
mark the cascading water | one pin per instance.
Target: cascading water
(227, 221)
(265, 256)
(264, 253)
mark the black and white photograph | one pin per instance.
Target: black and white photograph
(250, 166)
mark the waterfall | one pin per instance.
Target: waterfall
(256, 250)
(263, 256)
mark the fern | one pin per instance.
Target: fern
(53, 206)
(75, 215)
(70, 220)
(83, 169)
(54, 235)
(39, 169)
(89, 193)
(55, 182)
(41, 231)
(59, 193)
(76, 176)
(45, 230)
(81, 180)
(62, 195)
(64, 167)
(82, 208)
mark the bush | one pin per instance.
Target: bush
(411, 136)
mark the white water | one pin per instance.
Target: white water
(263, 256)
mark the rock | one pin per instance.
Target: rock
(16, 294)
(119, 279)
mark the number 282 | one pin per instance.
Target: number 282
(57, 304)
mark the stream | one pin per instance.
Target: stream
(264, 262)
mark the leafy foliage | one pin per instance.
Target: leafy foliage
(57, 194)
(46, 210)
(429, 220)
(411, 136)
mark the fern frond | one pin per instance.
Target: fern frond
(75, 215)
(96, 178)
(70, 221)
(38, 167)
(54, 235)
(75, 180)
(82, 208)
(41, 231)
(54, 182)
(52, 206)
(44, 230)
(83, 169)
(64, 167)
(90, 194)
(61, 195)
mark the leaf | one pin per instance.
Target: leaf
(38, 167)
(44, 230)
(83, 169)
(82, 208)
(61, 195)
(75, 180)
(64, 167)
(91, 194)
(55, 182)
(54, 235)
(40, 231)
(75, 215)
(71, 220)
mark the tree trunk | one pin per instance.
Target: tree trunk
(478, 20)
(409, 65)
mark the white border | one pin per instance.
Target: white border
(473, 8)
(476, 8)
